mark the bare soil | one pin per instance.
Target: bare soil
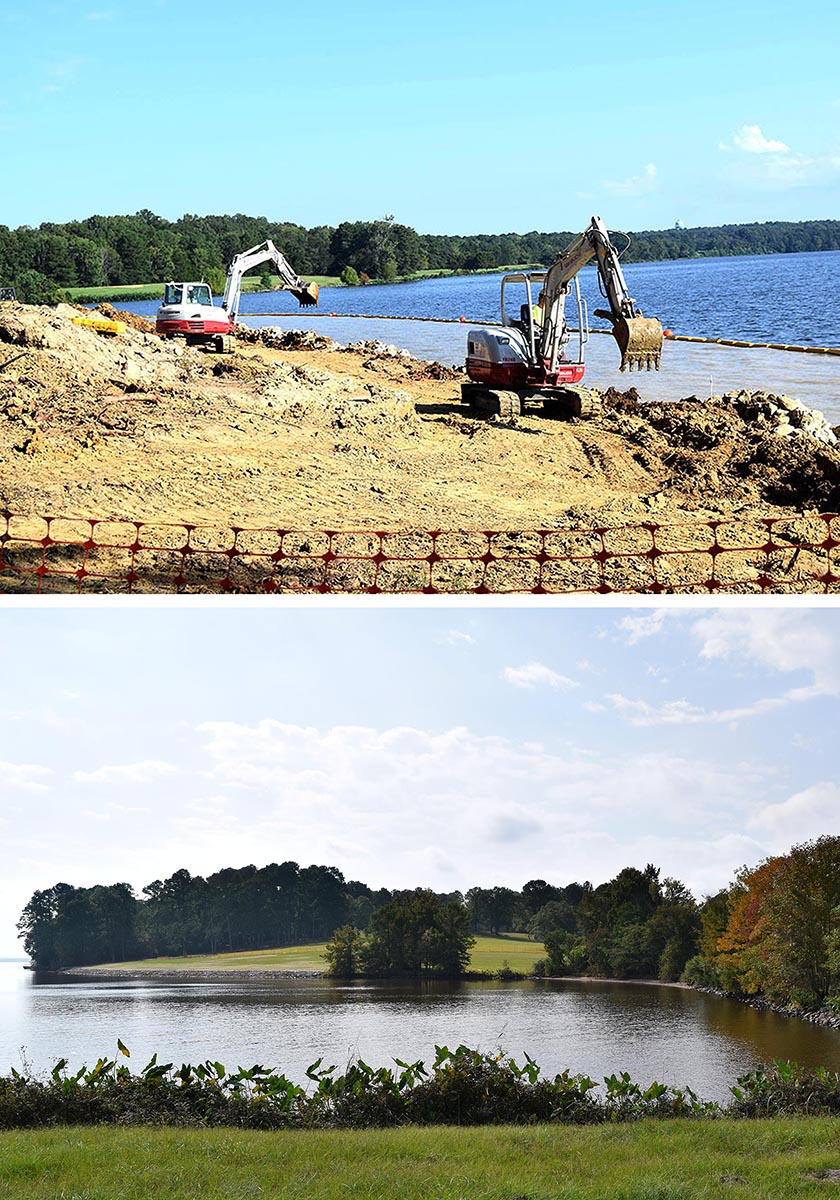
(298, 432)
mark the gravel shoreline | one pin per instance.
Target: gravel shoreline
(179, 973)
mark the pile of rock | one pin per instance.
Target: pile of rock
(785, 416)
(285, 339)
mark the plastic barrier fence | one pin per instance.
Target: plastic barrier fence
(90, 556)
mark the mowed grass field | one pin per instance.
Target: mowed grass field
(488, 954)
(775, 1159)
(154, 291)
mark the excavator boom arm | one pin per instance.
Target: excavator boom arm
(638, 337)
(266, 252)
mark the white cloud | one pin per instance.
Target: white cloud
(385, 804)
(807, 814)
(682, 712)
(771, 164)
(27, 776)
(637, 628)
(534, 673)
(778, 639)
(751, 140)
(139, 772)
(458, 637)
(636, 185)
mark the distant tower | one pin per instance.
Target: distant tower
(679, 224)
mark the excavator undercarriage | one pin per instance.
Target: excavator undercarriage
(505, 403)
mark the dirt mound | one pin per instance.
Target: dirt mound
(366, 437)
(754, 446)
(399, 364)
(127, 318)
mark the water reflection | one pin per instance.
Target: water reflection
(674, 1035)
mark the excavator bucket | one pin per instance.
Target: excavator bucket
(640, 342)
(308, 294)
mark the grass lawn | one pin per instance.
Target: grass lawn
(128, 291)
(489, 954)
(519, 952)
(154, 291)
(651, 1160)
(287, 958)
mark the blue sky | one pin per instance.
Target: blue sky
(467, 118)
(446, 747)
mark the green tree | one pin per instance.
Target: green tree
(557, 914)
(343, 952)
(416, 932)
(34, 288)
(215, 276)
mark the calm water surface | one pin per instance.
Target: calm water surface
(669, 1034)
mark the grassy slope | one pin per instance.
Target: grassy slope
(665, 1160)
(154, 291)
(488, 955)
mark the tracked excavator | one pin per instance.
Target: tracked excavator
(188, 310)
(527, 358)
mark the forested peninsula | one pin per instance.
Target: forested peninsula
(774, 932)
(120, 251)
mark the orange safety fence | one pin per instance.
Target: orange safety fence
(778, 554)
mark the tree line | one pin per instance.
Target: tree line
(634, 925)
(775, 931)
(119, 251)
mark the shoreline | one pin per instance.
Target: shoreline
(821, 1017)
(170, 973)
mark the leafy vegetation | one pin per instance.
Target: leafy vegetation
(631, 927)
(462, 1087)
(415, 933)
(776, 931)
(118, 251)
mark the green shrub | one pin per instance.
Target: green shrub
(699, 972)
(34, 288)
(462, 1087)
(786, 1088)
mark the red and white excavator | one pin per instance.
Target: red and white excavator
(188, 310)
(526, 359)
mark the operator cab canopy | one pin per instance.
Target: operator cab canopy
(196, 293)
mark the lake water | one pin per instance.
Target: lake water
(788, 298)
(671, 1034)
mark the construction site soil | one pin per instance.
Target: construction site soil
(296, 431)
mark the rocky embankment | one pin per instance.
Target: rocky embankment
(815, 1016)
(182, 973)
